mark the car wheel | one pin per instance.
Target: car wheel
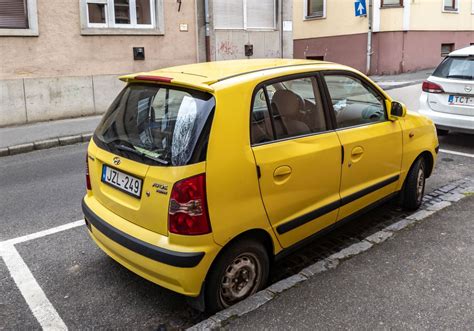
(240, 271)
(415, 185)
(442, 132)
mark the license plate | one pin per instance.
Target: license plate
(461, 100)
(122, 181)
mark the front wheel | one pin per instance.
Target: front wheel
(415, 185)
(239, 272)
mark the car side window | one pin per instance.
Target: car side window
(260, 126)
(353, 102)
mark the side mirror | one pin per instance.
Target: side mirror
(397, 109)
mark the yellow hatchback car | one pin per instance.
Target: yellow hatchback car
(200, 176)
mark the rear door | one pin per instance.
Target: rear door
(298, 157)
(147, 141)
(456, 77)
(371, 143)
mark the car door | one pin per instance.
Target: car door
(372, 145)
(298, 157)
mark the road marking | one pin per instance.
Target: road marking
(43, 233)
(456, 153)
(36, 299)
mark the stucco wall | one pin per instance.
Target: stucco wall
(62, 74)
(427, 15)
(60, 49)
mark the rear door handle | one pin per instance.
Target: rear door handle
(357, 151)
(282, 171)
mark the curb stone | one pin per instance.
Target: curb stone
(459, 189)
(45, 144)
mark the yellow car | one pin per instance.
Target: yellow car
(200, 176)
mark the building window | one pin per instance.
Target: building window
(245, 14)
(450, 5)
(122, 16)
(446, 49)
(18, 18)
(315, 9)
(391, 3)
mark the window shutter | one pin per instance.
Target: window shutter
(13, 14)
(261, 14)
(228, 14)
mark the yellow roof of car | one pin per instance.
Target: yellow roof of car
(202, 75)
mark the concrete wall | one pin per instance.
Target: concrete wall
(30, 100)
(61, 73)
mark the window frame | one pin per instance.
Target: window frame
(327, 118)
(452, 47)
(454, 10)
(111, 28)
(383, 5)
(307, 17)
(365, 83)
(32, 30)
(245, 15)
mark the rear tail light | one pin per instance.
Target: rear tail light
(88, 178)
(431, 87)
(188, 207)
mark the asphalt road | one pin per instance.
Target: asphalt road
(43, 189)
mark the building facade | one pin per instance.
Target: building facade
(239, 29)
(61, 58)
(407, 35)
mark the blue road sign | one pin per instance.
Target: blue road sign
(360, 8)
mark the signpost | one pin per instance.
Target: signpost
(360, 8)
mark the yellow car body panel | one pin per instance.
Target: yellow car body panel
(242, 198)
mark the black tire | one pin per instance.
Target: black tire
(442, 132)
(414, 188)
(236, 259)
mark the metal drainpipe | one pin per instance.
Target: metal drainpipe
(369, 37)
(281, 29)
(207, 31)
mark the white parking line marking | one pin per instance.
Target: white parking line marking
(34, 296)
(43, 233)
(456, 153)
(36, 299)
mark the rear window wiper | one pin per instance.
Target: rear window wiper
(132, 150)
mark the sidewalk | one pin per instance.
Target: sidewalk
(390, 82)
(420, 279)
(25, 138)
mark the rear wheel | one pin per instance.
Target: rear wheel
(239, 272)
(415, 185)
(442, 132)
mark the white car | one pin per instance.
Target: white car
(448, 94)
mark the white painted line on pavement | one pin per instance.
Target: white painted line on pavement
(43, 233)
(456, 153)
(36, 299)
(40, 306)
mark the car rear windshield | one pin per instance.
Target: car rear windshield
(456, 67)
(157, 125)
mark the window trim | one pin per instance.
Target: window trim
(111, 28)
(307, 17)
(327, 118)
(244, 17)
(385, 6)
(32, 30)
(452, 47)
(455, 9)
(364, 82)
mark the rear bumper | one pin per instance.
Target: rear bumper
(461, 123)
(180, 270)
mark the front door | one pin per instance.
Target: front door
(371, 143)
(298, 157)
